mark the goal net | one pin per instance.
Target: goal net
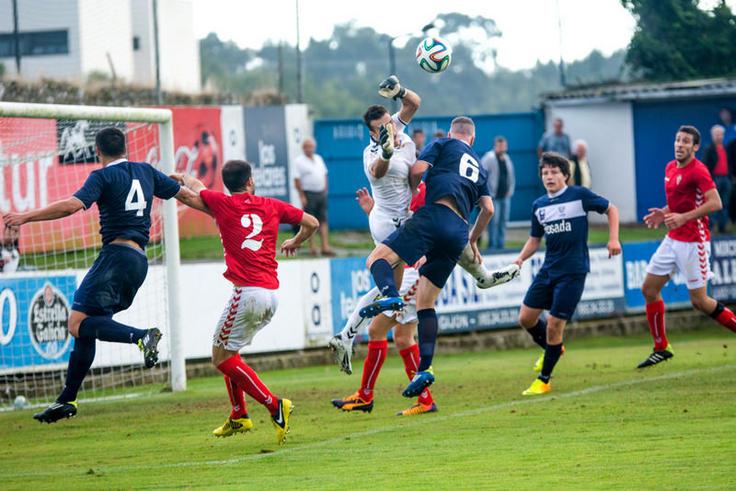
(46, 153)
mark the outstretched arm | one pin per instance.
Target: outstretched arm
(307, 227)
(189, 192)
(58, 209)
(481, 223)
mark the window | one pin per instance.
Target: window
(37, 43)
(136, 43)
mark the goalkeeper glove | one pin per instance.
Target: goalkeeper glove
(391, 88)
(386, 140)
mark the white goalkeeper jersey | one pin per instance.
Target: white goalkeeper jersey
(391, 192)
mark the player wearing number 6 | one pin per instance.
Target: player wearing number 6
(249, 226)
(455, 183)
(124, 194)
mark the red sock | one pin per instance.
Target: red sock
(244, 377)
(410, 356)
(377, 351)
(237, 399)
(727, 319)
(655, 317)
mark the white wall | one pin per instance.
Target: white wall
(232, 125)
(179, 47)
(44, 15)
(608, 129)
(105, 27)
(142, 27)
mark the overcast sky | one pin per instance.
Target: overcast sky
(530, 27)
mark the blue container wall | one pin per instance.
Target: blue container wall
(341, 143)
(655, 125)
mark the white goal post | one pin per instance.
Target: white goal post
(170, 227)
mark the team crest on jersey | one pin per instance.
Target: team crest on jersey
(561, 210)
(541, 214)
(678, 180)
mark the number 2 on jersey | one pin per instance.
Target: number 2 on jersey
(136, 201)
(246, 221)
(469, 167)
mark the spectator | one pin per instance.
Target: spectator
(579, 168)
(9, 253)
(726, 117)
(419, 138)
(501, 182)
(717, 162)
(311, 183)
(557, 141)
(439, 134)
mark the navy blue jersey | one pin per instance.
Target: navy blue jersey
(563, 220)
(124, 194)
(455, 172)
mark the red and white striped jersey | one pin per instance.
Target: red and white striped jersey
(685, 188)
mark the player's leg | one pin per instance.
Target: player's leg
(238, 421)
(342, 343)
(712, 308)
(249, 310)
(566, 293)
(538, 298)
(662, 265)
(409, 352)
(362, 400)
(386, 267)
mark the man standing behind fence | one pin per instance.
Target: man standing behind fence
(311, 183)
(501, 183)
(720, 170)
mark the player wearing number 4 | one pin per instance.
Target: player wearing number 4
(691, 196)
(124, 193)
(561, 216)
(249, 227)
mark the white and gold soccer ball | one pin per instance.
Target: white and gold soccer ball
(434, 54)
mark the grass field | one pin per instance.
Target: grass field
(604, 426)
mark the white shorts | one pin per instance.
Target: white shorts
(690, 259)
(408, 290)
(249, 310)
(383, 225)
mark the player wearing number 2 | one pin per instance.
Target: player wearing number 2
(249, 226)
(438, 231)
(124, 194)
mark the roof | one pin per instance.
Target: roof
(717, 87)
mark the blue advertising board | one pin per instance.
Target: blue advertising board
(723, 265)
(33, 320)
(636, 258)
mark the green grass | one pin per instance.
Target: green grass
(604, 426)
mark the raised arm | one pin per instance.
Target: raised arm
(417, 171)
(189, 192)
(410, 101)
(58, 209)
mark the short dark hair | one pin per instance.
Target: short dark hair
(552, 159)
(235, 175)
(417, 131)
(110, 141)
(499, 139)
(373, 113)
(690, 130)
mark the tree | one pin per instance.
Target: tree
(676, 40)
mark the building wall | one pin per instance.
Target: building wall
(105, 28)
(608, 130)
(44, 15)
(142, 26)
(179, 47)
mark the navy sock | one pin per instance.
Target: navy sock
(80, 361)
(383, 275)
(539, 333)
(427, 337)
(106, 329)
(552, 354)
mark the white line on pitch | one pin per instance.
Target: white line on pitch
(384, 429)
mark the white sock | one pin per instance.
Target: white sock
(355, 321)
(468, 264)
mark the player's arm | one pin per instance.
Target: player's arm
(365, 200)
(307, 226)
(56, 210)
(379, 167)
(417, 172)
(530, 247)
(712, 204)
(481, 223)
(410, 101)
(655, 217)
(189, 192)
(614, 244)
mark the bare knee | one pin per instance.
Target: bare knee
(527, 319)
(404, 336)
(706, 305)
(220, 354)
(74, 321)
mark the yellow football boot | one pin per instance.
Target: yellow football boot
(280, 420)
(537, 388)
(232, 426)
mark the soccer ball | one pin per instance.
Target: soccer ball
(434, 55)
(20, 402)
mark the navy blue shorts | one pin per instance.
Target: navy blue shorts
(560, 295)
(112, 282)
(434, 231)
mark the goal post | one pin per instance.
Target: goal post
(49, 250)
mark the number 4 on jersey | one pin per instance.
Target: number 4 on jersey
(136, 201)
